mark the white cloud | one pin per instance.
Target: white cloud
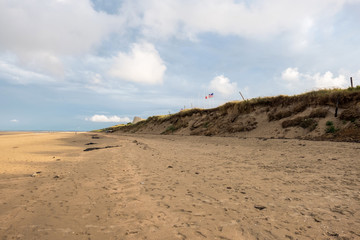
(329, 81)
(223, 86)
(296, 80)
(356, 78)
(40, 32)
(42, 62)
(11, 72)
(97, 79)
(291, 76)
(49, 38)
(142, 64)
(93, 78)
(254, 19)
(103, 118)
(14, 120)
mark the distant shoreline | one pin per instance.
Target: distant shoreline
(5, 132)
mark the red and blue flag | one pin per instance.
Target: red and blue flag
(209, 96)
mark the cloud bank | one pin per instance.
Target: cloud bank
(11, 72)
(250, 19)
(103, 118)
(40, 32)
(44, 35)
(295, 79)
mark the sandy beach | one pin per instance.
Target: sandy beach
(176, 187)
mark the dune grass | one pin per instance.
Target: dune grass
(323, 97)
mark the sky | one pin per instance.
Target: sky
(88, 64)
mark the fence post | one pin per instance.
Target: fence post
(337, 106)
(242, 96)
(351, 81)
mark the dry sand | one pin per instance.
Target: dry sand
(177, 187)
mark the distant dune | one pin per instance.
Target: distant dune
(307, 116)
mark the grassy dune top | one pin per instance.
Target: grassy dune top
(281, 114)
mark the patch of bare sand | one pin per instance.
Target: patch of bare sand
(21, 152)
(175, 187)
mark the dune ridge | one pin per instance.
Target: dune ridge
(319, 115)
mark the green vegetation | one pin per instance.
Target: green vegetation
(351, 114)
(330, 127)
(97, 130)
(169, 129)
(296, 104)
(318, 113)
(308, 123)
(329, 123)
(304, 122)
(287, 113)
(357, 88)
(325, 97)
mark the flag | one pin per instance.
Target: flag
(209, 96)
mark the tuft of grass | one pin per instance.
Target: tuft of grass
(351, 114)
(308, 122)
(97, 131)
(330, 127)
(357, 88)
(318, 113)
(279, 115)
(304, 122)
(329, 123)
(287, 113)
(169, 129)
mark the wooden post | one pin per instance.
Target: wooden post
(337, 106)
(242, 96)
(351, 81)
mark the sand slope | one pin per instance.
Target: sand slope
(320, 115)
(177, 187)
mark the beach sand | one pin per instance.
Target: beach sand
(176, 187)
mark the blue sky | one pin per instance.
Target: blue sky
(82, 65)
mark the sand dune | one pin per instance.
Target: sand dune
(177, 187)
(332, 115)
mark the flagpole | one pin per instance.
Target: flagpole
(209, 106)
(213, 102)
(204, 100)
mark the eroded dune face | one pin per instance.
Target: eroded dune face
(176, 187)
(323, 115)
